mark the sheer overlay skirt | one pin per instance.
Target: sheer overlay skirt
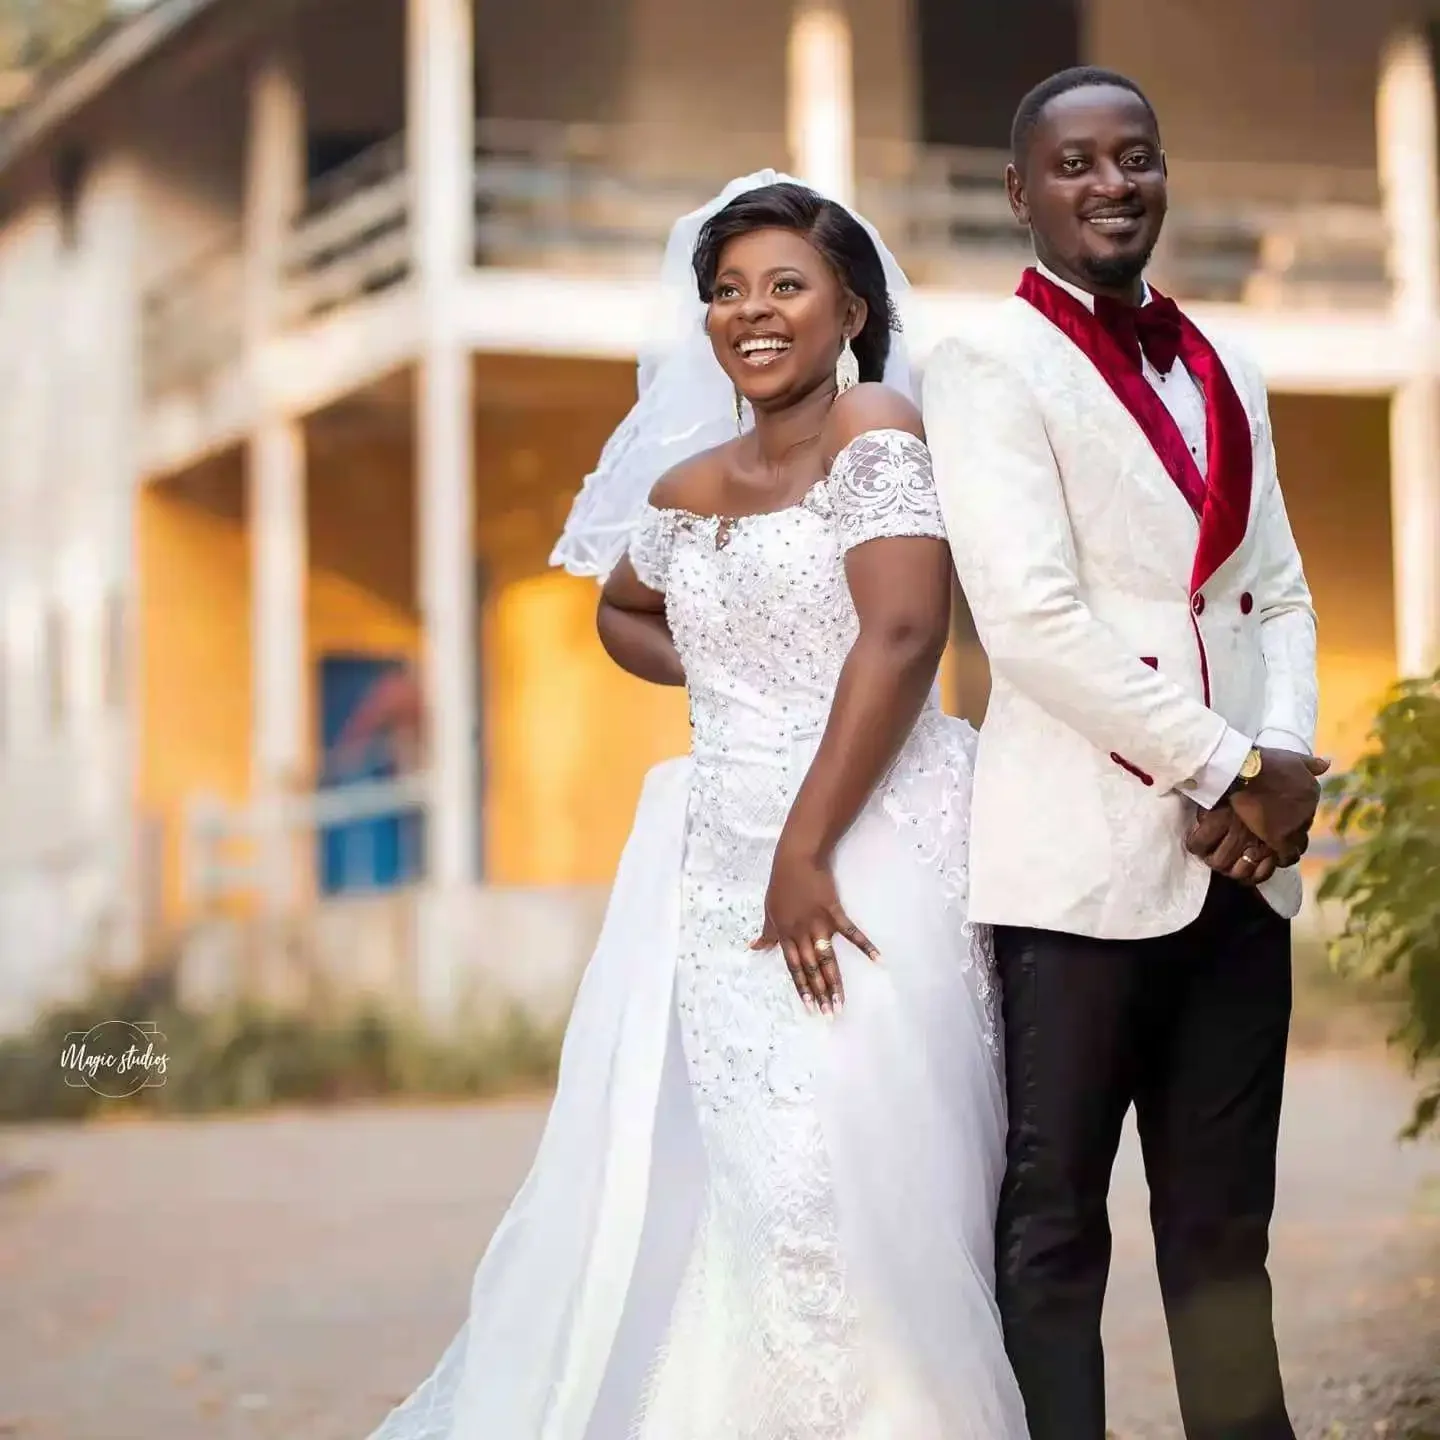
(746, 1222)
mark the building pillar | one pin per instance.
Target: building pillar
(113, 197)
(1410, 180)
(275, 181)
(821, 100)
(440, 136)
(276, 514)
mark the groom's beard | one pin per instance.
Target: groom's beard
(1116, 273)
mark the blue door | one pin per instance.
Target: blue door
(378, 852)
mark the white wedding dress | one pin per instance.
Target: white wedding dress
(746, 1221)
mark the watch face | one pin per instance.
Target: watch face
(1250, 768)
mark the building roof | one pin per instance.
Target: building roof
(73, 84)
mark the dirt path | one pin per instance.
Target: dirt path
(286, 1277)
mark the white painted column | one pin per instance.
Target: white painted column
(821, 99)
(440, 137)
(275, 182)
(135, 866)
(278, 557)
(1410, 178)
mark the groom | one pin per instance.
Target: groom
(1144, 785)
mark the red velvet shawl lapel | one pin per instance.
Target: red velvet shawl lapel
(1221, 500)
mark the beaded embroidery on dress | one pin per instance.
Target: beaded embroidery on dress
(836, 1281)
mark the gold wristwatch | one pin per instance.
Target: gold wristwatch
(1250, 767)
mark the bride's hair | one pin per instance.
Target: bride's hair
(833, 231)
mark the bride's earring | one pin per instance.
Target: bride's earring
(739, 412)
(847, 369)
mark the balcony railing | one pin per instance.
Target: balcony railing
(601, 199)
(1256, 234)
(353, 238)
(586, 197)
(1294, 235)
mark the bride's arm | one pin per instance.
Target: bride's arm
(898, 568)
(901, 589)
(631, 619)
(633, 629)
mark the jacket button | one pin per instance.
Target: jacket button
(1247, 603)
(1198, 605)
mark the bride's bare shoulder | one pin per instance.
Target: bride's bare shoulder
(869, 407)
(694, 484)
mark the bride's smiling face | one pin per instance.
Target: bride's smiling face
(779, 315)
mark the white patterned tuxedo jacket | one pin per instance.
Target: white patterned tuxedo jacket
(1130, 639)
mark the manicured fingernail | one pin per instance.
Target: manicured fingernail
(809, 1002)
(839, 1005)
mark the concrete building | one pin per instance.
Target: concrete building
(313, 313)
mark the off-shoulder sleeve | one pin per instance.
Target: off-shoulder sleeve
(882, 487)
(651, 546)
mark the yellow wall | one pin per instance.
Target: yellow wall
(194, 564)
(360, 514)
(1334, 457)
(194, 634)
(569, 736)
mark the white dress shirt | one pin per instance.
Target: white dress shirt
(1182, 396)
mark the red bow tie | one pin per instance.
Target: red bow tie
(1151, 330)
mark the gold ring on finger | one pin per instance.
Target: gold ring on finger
(824, 947)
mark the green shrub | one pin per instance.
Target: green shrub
(247, 1057)
(1387, 810)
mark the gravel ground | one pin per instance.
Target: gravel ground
(287, 1277)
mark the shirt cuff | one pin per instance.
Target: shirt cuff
(1208, 786)
(1282, 740)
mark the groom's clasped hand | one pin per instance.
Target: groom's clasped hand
(1265, 826)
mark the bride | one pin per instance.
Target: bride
(763, 1205)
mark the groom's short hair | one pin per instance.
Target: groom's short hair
(1078, 77)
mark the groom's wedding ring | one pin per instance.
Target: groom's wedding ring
(1250, 858)
(824, 947)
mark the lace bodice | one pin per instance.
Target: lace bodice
(759, 606)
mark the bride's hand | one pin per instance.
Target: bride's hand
(803, 915)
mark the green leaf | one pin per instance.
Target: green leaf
(1387, 806)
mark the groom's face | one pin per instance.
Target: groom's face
(1092, 188)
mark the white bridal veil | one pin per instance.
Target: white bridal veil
(685, 403)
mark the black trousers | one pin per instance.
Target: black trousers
(1191, 1029)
